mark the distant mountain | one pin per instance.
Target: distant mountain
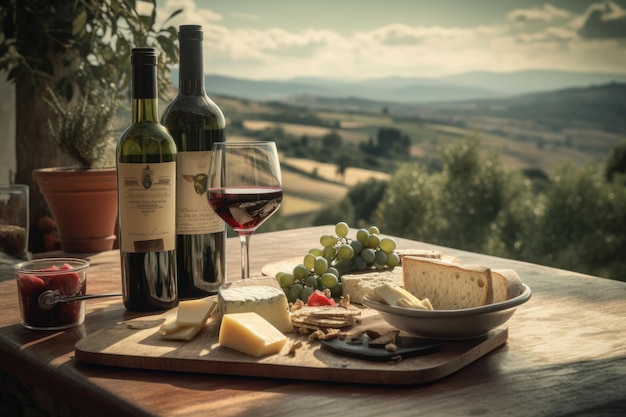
(260, 90)
(603, 106)
(467, 86)
(532, 80)
(393, 90)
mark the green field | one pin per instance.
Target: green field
(521, 143)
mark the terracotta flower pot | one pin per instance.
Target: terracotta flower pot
(83, 204)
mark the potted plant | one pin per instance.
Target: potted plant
(77, 49)
(83, 197)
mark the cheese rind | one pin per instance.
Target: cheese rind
(268, 302)
(251, 334)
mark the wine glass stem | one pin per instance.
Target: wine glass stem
(245, 256)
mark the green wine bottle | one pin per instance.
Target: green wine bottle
(195, 122)
(146, 176)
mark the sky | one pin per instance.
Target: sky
(364, 39)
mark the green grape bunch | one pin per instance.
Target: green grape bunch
(322, 268)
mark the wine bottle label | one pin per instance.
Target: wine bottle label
(147, 199)
(194, 215)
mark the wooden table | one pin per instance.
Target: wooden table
(565, 355)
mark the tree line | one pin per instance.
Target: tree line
(574, 219)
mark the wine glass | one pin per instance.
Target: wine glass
(244, 188)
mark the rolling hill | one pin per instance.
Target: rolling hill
(538, 130)
(467, 86)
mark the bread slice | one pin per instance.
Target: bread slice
(447, 286)
(506, 284)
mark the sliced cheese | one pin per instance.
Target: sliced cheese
(251, 334)
(194, 312)
(358, 286)
(396, 296)
(189, 320)
(183, 333)
(169, 325)
(269, 302)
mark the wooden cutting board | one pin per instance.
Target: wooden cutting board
(137, 344)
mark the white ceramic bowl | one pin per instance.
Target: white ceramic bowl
(464, 323)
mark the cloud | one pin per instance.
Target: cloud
(604, 21)
(539, 38)
(547, 13)
(401, 34)
(191, 14)
(245, 16)
(554, 35)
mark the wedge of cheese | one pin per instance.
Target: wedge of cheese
(268, 302)
(251, 334)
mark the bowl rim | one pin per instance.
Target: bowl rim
(463, 312)
(30, 267)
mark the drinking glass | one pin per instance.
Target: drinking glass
(58, 277)
(244, 188)
(14, 218)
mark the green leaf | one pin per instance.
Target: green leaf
(175, 13)
(146, 21)
(168, 47)
(79, 23)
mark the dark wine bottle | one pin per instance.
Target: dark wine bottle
(146, 179)
(195, 122)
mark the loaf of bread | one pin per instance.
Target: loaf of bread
(506, 284)
(448, 286)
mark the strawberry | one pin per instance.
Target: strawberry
(50, 268)
(67, 284)
(30, 285)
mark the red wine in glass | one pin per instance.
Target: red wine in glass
(244, 188)
(245, 208)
